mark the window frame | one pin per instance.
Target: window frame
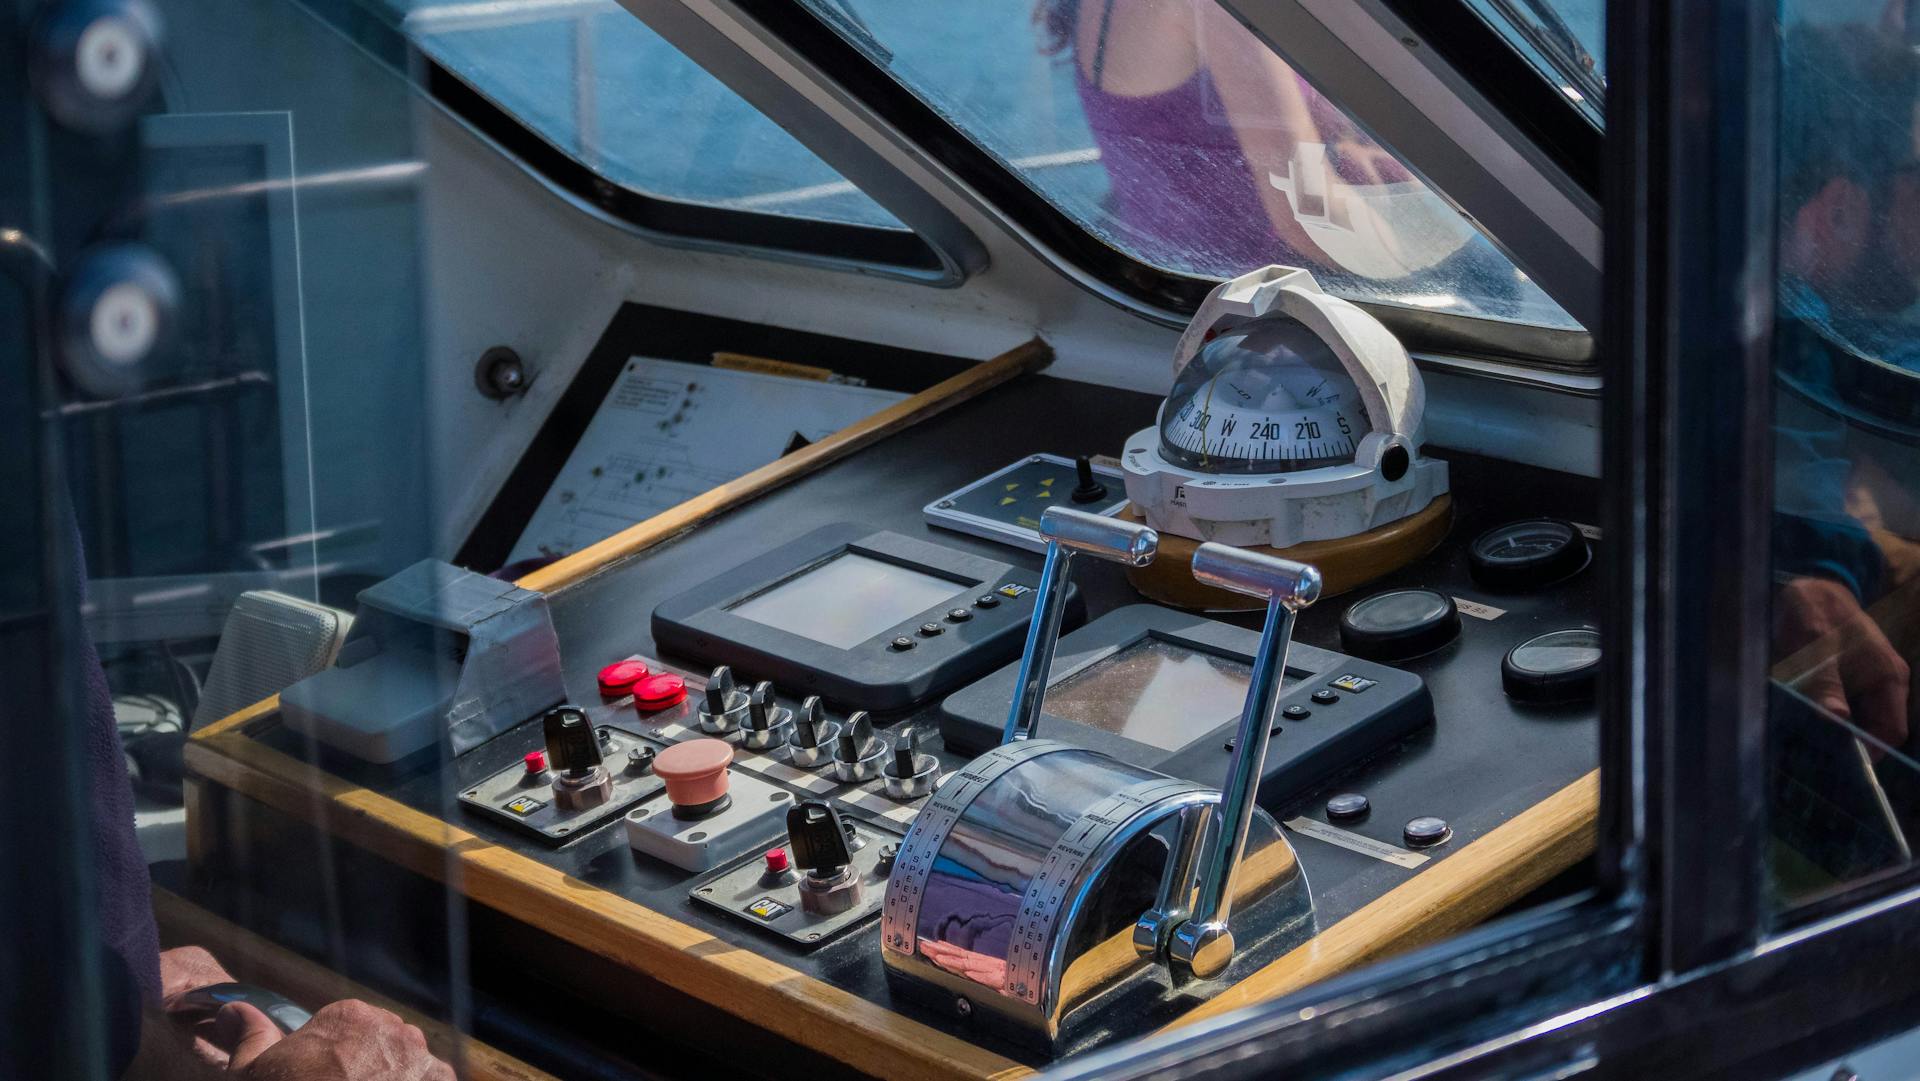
(1709, 980)
(894, 253)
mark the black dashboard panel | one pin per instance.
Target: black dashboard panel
(1483, 762)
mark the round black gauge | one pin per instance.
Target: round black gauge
(1399, 624)
(1528, 554)
(1559, 666)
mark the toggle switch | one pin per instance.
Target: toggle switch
(724, 709)
(910, 774)
(768, 723)
(821, 848)
(810, 744)
(580, 780)
(858, 753)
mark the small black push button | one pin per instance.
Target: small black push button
(1427, 831)
(1326, 697)
(986, 600)
(1296, 713)
(959, 615)
(929, 630)
(1347, 806)
(902, 644)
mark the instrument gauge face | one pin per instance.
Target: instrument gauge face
(1560, 666)
(1268, 396)
(1528, 554)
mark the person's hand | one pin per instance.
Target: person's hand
(189, 968)
(1862, 678)
(346, 1041)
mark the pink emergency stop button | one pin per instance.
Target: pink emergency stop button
(695, 771)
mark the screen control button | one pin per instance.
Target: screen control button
(986, 600)
(930, 630)
(1326, 696)
(959, 615)
(1296, 713)
(902, 644)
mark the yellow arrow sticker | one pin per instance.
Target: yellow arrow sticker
(1004, 500)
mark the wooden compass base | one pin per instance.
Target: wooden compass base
(1344, 564)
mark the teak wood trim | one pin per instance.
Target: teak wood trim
(1464, 889)
(864, 1035)
(986, 375)
(253, 959)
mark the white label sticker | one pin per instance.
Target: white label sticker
(1478, 610)
(1354, 842)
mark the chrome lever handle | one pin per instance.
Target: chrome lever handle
(1067, 533)
(1202, 944)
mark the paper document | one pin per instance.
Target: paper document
(669, 431)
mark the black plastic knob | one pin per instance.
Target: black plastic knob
(809, 725)
(721, 695)
(856, 739)
(760, 706)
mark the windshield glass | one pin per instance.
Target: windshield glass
(1564, 39)
(592, 80)
(1167, 129)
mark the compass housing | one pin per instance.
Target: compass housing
(1294, 416)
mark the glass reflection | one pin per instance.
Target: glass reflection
(1846, 530)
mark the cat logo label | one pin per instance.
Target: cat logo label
(525, 805)
(767, 908)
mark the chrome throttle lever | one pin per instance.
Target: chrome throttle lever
(1200, 943)
(1067, 533)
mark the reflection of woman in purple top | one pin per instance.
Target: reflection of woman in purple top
(1216, 150)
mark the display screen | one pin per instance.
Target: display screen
(848, 599)
(1155, 692)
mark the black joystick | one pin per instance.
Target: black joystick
(580, 780)
(821, 848)
(1089, 489)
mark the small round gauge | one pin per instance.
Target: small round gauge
(1267, 396)
(1398, 624)
(1528, 554)
(1556, 667)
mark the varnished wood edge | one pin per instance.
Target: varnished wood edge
(1456, 893)
(1031, 356)
(252, 959)
(843, 1026)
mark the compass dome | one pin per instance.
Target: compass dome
(1266, 396)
